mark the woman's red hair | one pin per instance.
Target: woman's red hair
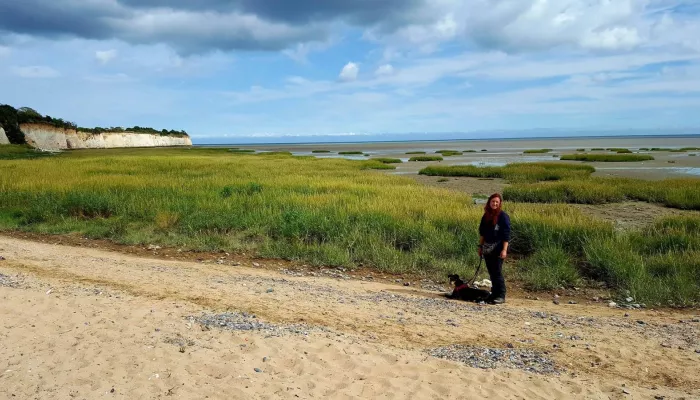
(490, 213)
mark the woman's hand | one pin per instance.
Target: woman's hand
(504, 254)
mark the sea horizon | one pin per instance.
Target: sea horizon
(380, 139)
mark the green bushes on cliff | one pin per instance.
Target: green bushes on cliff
(11, 119)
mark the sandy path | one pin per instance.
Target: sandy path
(118, 321)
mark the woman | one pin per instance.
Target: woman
(494, 232)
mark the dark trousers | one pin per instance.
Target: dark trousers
(498, 284)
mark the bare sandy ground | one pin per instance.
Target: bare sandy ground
(88, 323)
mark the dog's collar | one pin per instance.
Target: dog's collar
(462, 286)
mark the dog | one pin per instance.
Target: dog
(464, 292)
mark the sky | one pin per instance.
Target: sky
(242, 70)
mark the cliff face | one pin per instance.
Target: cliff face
(47, 137)
(3, 137)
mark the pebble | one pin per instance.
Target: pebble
(270, 290)
(612, 304)
(555, 301)
(256, 264)
(2, 258)
(572, 302)
(257, 370)
(625, 391)
(236, 321)
(9, 281)
(489, 358)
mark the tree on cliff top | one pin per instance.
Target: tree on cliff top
(10, 124)
(11, 119)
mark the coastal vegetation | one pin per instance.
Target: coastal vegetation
(449, 153)
(320, 151)
(425, 158)
(387, 160)
(21, 152)
(537, 151)
(607, 157)
(518, 172)
(330, 212)
(675, 193)
(241, 150)
(349, 153)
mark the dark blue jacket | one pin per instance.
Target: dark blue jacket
(499, 233)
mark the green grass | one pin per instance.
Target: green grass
(643, 149)
(658, 265)
(619, 150)
(21, 152)
(597, 149)
(537, 151)
(425, 158)
(673, 150)
(519, 172)
(274, 153)
(449, 153)
(348, 153)
(241, 150)
(606, 157)
(675, 193)
(320, 151)
(415, 152)
(549, 268)
(330, 212)
(580, 149)
(387, 160)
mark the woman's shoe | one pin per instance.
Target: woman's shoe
(497, 300)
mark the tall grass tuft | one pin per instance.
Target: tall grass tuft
(549, 268)
(387, 160)
(518, 172)
(449, 153)
(675, 193)
(21, 152)
(537, 151)
(606, 157)
(426, 158)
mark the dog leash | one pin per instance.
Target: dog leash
(481, 258)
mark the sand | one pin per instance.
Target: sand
(88, 323)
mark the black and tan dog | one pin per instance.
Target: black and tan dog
(464, 292)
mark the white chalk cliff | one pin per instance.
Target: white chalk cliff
(3, 137)
(47, 137)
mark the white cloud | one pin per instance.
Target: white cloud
(105, 56)
(5, 51)
(384, 70)
(35, 72)
(349, 72)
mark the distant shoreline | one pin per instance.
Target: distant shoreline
(532, 138)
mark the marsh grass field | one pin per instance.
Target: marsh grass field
(337, 212)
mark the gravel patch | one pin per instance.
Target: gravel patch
(488, 358)
(235, 321)
(11, 281)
